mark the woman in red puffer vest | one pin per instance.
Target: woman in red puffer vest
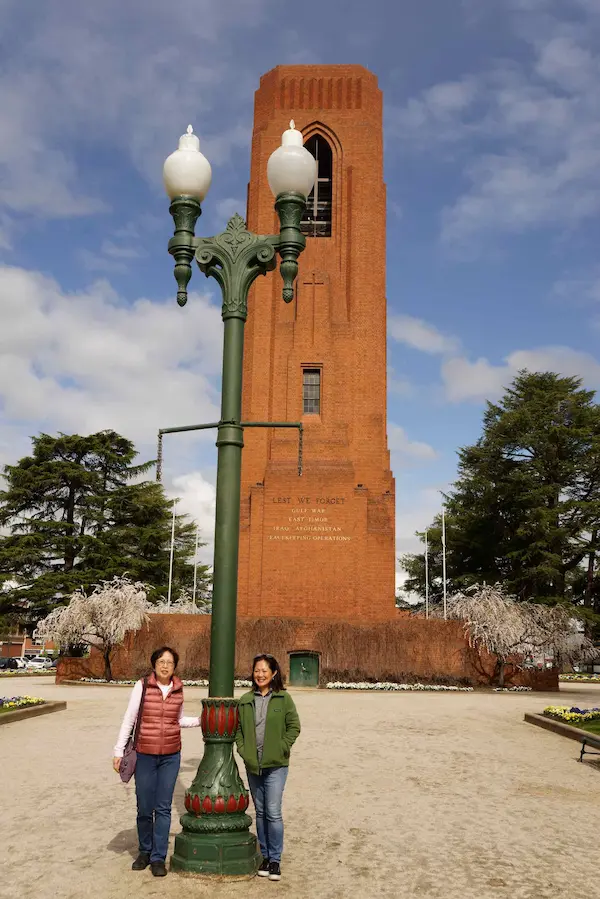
(158, 747)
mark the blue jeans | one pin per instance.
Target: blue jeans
(155, 777)
(267, 793)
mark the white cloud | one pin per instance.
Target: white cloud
(415, 515)
(420, 335)
(196, 497)
(115, 256)
(85, 362)
(578, 288)
(438, 111)
(5, 232)
(412, 450)
(97, 262)
(76, 82)
(514, 192)
(541, 115)
(399, 386)
(119, 251)
(481, 380)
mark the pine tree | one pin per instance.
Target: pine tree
(76, 513)
(525, 508)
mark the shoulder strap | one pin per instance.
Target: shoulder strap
(138, 720)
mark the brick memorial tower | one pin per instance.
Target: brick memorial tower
(320, 546)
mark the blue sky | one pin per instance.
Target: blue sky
(492, 161)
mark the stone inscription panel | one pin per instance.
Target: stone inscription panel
(320, 517)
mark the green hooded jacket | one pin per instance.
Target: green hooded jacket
(281, 731)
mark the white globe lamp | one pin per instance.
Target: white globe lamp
(291, 168)
(187, 171)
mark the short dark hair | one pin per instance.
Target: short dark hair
(160, 651)
(277, 682)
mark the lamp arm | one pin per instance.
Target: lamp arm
(236, 257)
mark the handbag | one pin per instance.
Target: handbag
(127, 766)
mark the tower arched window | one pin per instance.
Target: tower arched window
(316, 221)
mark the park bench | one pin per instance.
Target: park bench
(567, 730)
(589, 740)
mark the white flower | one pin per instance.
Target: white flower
(386, 685)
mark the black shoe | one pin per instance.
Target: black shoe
(141, 862)
(263, 871)
(159, 869)
(274, 871)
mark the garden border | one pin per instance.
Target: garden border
(32, 711)
(562, 729)
(19, 672)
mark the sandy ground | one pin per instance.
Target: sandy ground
(425, 795)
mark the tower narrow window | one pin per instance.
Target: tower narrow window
(311, 391)
(316, 221)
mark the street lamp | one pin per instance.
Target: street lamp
(216, 837)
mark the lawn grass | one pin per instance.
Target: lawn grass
(592, 727)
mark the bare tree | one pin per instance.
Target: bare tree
(101, 619)
(510, 629)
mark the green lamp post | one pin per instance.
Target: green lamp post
(216, 838)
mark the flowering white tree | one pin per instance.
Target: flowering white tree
(183, 605)
(507, 628)
(101, 619)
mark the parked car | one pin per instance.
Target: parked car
(40, 662)
(12, 663)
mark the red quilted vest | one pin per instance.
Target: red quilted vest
(160, 733)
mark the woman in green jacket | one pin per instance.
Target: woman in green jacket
(269, 726)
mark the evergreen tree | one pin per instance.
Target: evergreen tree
(525, 508)
(75, 513)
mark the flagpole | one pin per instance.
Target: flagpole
(195, 566)
(444, 559)
(426, 575)
(171, 559)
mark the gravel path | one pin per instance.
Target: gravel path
(424, 795)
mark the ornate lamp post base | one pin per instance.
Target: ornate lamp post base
(231, 855)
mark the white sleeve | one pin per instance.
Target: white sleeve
(129, 720)
(187, 720)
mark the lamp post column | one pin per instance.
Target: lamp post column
(230, 441)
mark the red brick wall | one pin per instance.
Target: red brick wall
(406, 649)
(316, 546)
(75, 669)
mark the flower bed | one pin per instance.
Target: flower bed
(572, 715)
(513, 689)
(18, 702)
(389, 687)
(186, 683)
(581, 678)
